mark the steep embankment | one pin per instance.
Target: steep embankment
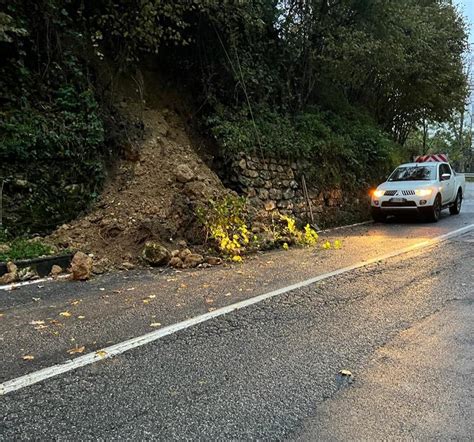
(152, 195)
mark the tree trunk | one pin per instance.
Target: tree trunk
(425, 135)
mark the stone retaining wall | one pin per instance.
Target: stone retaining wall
(276, 185)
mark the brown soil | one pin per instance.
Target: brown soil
(144, 200)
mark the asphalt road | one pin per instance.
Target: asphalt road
(402, 327)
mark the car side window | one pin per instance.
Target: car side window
(444, 168)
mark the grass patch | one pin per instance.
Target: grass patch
(12, 249)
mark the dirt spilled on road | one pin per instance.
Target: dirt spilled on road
(153, 193)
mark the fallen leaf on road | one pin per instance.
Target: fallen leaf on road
(131, 288)
(101, 353)
(146, 301)
(41, 327)
(36, 322)
(80, 317)
(152, 296)
(76, 350)
(155, 324)
(228, 294)
(55, 322)
(1, 314)
(77, 301)
(28, 358)
(65, 314)
(36, 299)
(209, 301)
(102, 289)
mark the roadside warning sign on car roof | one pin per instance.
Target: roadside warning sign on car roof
(437, 158)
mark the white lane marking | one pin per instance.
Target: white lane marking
(117, 349)
(15, 285)
(363, 223)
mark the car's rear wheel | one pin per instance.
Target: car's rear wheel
(434, 211)
(378, 216)
(456, 207)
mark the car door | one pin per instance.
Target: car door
(447, 185)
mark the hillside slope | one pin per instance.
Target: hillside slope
(152, 195)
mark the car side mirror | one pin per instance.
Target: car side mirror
(445, 176)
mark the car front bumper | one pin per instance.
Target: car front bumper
(397, 205)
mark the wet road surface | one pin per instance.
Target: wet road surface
(267, 371)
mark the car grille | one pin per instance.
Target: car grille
(403, 192)
(402, 204)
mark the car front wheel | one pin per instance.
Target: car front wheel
(434, 212)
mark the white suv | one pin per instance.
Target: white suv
(424, 188)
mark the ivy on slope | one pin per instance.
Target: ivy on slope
(52, 151)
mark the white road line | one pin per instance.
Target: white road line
(347, 226)
(117, 349)
(15, 285)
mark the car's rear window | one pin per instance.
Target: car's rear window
(413, 173)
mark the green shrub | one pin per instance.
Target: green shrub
(345, 150)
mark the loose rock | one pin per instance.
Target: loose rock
(176, 262)
(11, 275)
(155, 254)
(55, 271)
(213, 260)
(81, 266)
(184, 173)
(183, 253)
(100, 266)
(26, 274)
(193, 260)
(127, 265)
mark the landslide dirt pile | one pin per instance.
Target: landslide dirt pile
(152, 196)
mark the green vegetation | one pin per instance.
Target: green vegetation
(454, 137)
(12, 249)
(341, 83)
(21, 248)
(230, 225)
(225, 221)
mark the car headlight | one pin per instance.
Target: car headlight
(423, 192)
(378, 193)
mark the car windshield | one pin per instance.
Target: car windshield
(413, 173)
